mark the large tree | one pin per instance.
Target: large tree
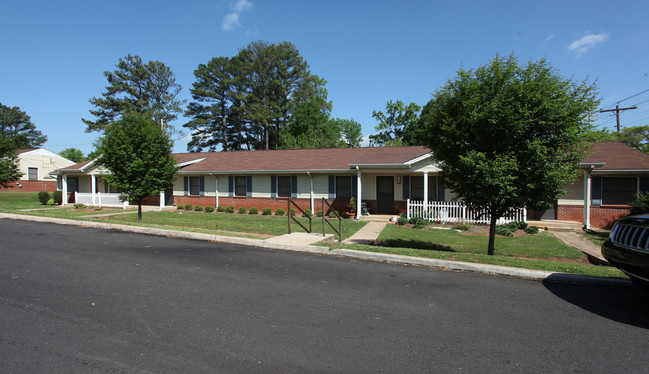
(17, 126)
(9, 171)
(73, 154)
(396, 124)
(137, 87)
(137, 152)
(245, 101)
(509, 135)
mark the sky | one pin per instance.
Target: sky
(53, 54)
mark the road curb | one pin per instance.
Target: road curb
(369, 256)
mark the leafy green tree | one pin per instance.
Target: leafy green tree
(509, 135)
(310, 127)
(138, 154)
(350, 130)
(73, 154)
(17, 126)
(393, 125)
(137, 87)
(636, 137)
(9, 171)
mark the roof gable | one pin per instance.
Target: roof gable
(618, 156)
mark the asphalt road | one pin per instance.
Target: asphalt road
(87, 300)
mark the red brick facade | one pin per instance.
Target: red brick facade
(31, 186)
(600, 216)
(260, 203)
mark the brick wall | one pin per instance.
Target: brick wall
(31, 186)
(260, 203)
(600, 216)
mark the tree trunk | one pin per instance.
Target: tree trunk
(139, 212)
(492, 235)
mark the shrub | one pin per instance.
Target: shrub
(220, 208)
(180, 207)
(503, 230)
(79, 206)
(462, 227)
(229, 209)
(292, 212)
(307, 213)
(640, 204)
(50, 202)
(511, 226)
(58, 197)
(402, 221)
(253, 210)
(332, 214)
(318, 213)
(209, 209)
(266, 211)
(412, 220)
(522, 225)
(198, 208)
(188, 207)
(97, 208)
(243, 210)
(279, 212)
(420, 223)
(44, 197)
(532, 230)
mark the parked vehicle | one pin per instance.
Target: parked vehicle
(627, 248)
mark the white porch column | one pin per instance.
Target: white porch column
(426, 194)
(64, 190)
(93, 187)
(216, 193)
(587, 199)
(359, 198)
(162, 200)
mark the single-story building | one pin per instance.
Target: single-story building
(36, 165)
(382, 178)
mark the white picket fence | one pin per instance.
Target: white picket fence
(101, 199)
(457, 212)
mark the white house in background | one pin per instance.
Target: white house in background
(36, 165)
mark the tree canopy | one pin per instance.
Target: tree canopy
(17, 126)
(509, 135)
(396, 125)
(249, 100)
(73, 154)
(636, 137)
(137, 87)
(9, 171)
(138, 154)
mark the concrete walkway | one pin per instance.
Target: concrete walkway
(367, 234)
(577, 240)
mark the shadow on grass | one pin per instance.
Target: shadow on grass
(416, 244)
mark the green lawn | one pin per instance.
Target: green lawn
(12, 201)
(597, 237)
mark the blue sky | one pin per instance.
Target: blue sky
(53, 54)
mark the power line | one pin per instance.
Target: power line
(632, 96)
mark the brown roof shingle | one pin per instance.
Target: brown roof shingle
(618, 156)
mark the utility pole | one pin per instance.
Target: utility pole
(617, 111)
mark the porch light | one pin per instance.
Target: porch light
(398, 179)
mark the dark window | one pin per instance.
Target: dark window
(284, 186)
(73, 184)
(194, 185)
(619, 191)
(343, 187)
(417, 188)
(240, 186)
(33, 174)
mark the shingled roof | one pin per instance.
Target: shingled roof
(300, 159)
(618, 156)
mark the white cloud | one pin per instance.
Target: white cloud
(231, 20)
(588, 41)
(550, 37)
(241, 5)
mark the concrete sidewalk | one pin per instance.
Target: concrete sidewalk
(577, 240)
(367, 234)
(290, 242)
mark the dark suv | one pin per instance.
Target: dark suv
(628, 248)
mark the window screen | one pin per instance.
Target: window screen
(619, 191)
(33, 174)
(343, 187)
(284, 186)
(417, 188)
(194, 185)
(240, 186)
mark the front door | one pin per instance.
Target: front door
(169, 197)
(385, 195)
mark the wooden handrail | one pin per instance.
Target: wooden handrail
(290, 217)
(324, 219)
